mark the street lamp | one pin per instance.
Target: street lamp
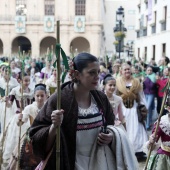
(119, 27)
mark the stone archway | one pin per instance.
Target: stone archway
(78, 45)
(22, 42)
(1, 47)
(45, 43)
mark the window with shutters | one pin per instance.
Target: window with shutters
(80, 7)
(49, 7)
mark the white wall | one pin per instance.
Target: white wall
(160, 37)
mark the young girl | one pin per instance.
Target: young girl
(109, 87)
(27, 159)
(12, 133)
(12, 82)
(161, 160)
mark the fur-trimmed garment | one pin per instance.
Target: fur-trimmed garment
(40, 128)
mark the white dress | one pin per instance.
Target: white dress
(115, 101)
(135, 130)
(9, 111)
(88, 127)
(32, 78)
(47, 73)
(12, 134)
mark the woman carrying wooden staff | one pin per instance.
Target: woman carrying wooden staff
(80, 102)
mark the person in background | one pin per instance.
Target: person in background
(116, 70)
(117, 104)
(13, 67)
(131, 92)
(149, 86)
(161, 83)
(103, 72)
(46, 71)
(137, 73)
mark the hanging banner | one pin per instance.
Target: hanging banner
(79, 24)
(149, 10)
(20, 24)
(49, 23)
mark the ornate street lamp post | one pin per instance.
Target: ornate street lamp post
(119, 29)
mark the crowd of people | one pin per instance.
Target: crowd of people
(106, 113)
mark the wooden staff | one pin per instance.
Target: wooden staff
(45, 72)
(58, 100)
(4, 132)
(158, 122)
(21, 108)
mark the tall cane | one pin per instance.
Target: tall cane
(21, 108)
(158, 122)
(4, 133)
(58, 100)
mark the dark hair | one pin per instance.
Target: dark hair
(103, 64)
(138, 68)
(82, 60)
(129, 63)
(166, 60)
(107, 78)
(149, 66)
(5, 68)
(25, 74)
(40, 87)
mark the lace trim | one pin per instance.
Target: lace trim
(165, 124)
(91, 110)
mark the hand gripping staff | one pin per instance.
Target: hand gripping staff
(58, 50)
(166, 92)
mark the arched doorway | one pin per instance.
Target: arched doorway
(78, 45)
(22, 42)
(1, 48)
(48, 42)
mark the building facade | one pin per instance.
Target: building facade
(153, 29)
(31, 25)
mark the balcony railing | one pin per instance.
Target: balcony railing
(153, 29)
(40, 18)
(138, 34)
(145, 32)
(163, 26)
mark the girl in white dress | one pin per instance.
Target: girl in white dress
(12, 133)
(26, 119)
(12, 82)
(109, 87)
